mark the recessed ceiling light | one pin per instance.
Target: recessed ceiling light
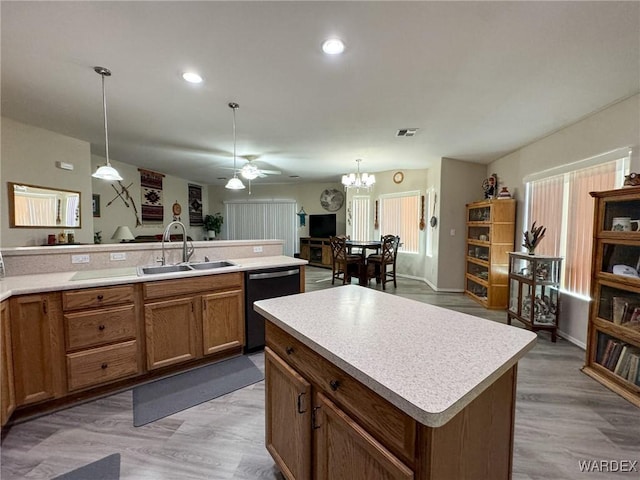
(192, 77)
(333, 46)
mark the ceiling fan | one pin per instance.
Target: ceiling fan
(251, 171)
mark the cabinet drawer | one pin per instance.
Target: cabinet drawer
(97, 327)
(97, 297)
(100, 365)
(387, 423)
(168, 288)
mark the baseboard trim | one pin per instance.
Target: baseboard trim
(571, 339)
(431, 285)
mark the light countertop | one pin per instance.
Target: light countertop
(428, 361)
(47, 282)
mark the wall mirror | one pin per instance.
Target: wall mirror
(32, 206)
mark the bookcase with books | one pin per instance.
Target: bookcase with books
(613, 342)
(490, 238)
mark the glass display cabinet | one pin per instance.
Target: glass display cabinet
(490, 236)
(534, 291)
(613, 340)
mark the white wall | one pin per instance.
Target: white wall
(173, 189)
(29, 155)
(614, 127)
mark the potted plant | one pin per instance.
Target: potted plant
(213, 225)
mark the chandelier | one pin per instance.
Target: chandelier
(358, 180)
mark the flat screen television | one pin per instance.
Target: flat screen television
(322, 226)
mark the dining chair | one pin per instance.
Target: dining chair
(343, 264)
(377, 263)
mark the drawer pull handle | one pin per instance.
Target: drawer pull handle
(334, 384)
(289, 350)
(101, 327)
(100, 297)
(104, 366)
(300, 403)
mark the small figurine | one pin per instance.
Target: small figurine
(632, 180)
(504, 193)
(490, 186)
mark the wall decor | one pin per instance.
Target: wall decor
(331, 199)
(176, 208)
(151, 186)
(195, 205)
(376, 226)
(96, 205)
(398, 177)
(302, 217)
(422, 222)
(126, 198)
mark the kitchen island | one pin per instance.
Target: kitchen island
(365, 385)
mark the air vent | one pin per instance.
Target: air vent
(406, 132)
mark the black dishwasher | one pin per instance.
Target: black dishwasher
(262, 284)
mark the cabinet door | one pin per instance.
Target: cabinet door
(222, 321)
(170, 328)
(327, 259)
(343, 449)
(304, 251)
(288, 418)
(8, 397)
(36, 336)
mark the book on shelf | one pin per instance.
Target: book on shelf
(616, 350)
(633, 375)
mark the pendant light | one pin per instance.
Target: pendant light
(105, 172)
(234, 183)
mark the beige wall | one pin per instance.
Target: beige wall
(174, 189)
(29, 155)
(460, 183)
(615, 127)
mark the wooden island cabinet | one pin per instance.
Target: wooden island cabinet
(7, 391)
(344, 401)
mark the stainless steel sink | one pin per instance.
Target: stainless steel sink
(163, 269)
(210, 265)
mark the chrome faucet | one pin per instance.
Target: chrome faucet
(166, 236)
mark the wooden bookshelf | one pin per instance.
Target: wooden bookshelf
(613, 341)
(490, 238)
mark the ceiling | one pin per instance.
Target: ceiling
(478, 79)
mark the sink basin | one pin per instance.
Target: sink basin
(163, 269)
(210, 265)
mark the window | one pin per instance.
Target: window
(360, 217)
(561, 202)
(262, 220)
(399, 215)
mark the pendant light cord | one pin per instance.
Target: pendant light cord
(104, 107)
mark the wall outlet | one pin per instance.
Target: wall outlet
(452, 232)
(257, 249)
(117, 256)
(80, 258)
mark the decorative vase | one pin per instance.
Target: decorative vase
(211, 234)
(532, 251)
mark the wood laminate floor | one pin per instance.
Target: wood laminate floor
(562, 418)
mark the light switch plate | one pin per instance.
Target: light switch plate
(257, 249)
(117, 256)
(80, 258)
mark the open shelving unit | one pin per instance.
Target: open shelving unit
(490, 238)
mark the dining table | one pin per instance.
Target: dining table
(363, 245)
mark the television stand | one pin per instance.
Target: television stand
(317, 251)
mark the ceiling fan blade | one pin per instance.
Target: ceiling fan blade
(270, 172)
